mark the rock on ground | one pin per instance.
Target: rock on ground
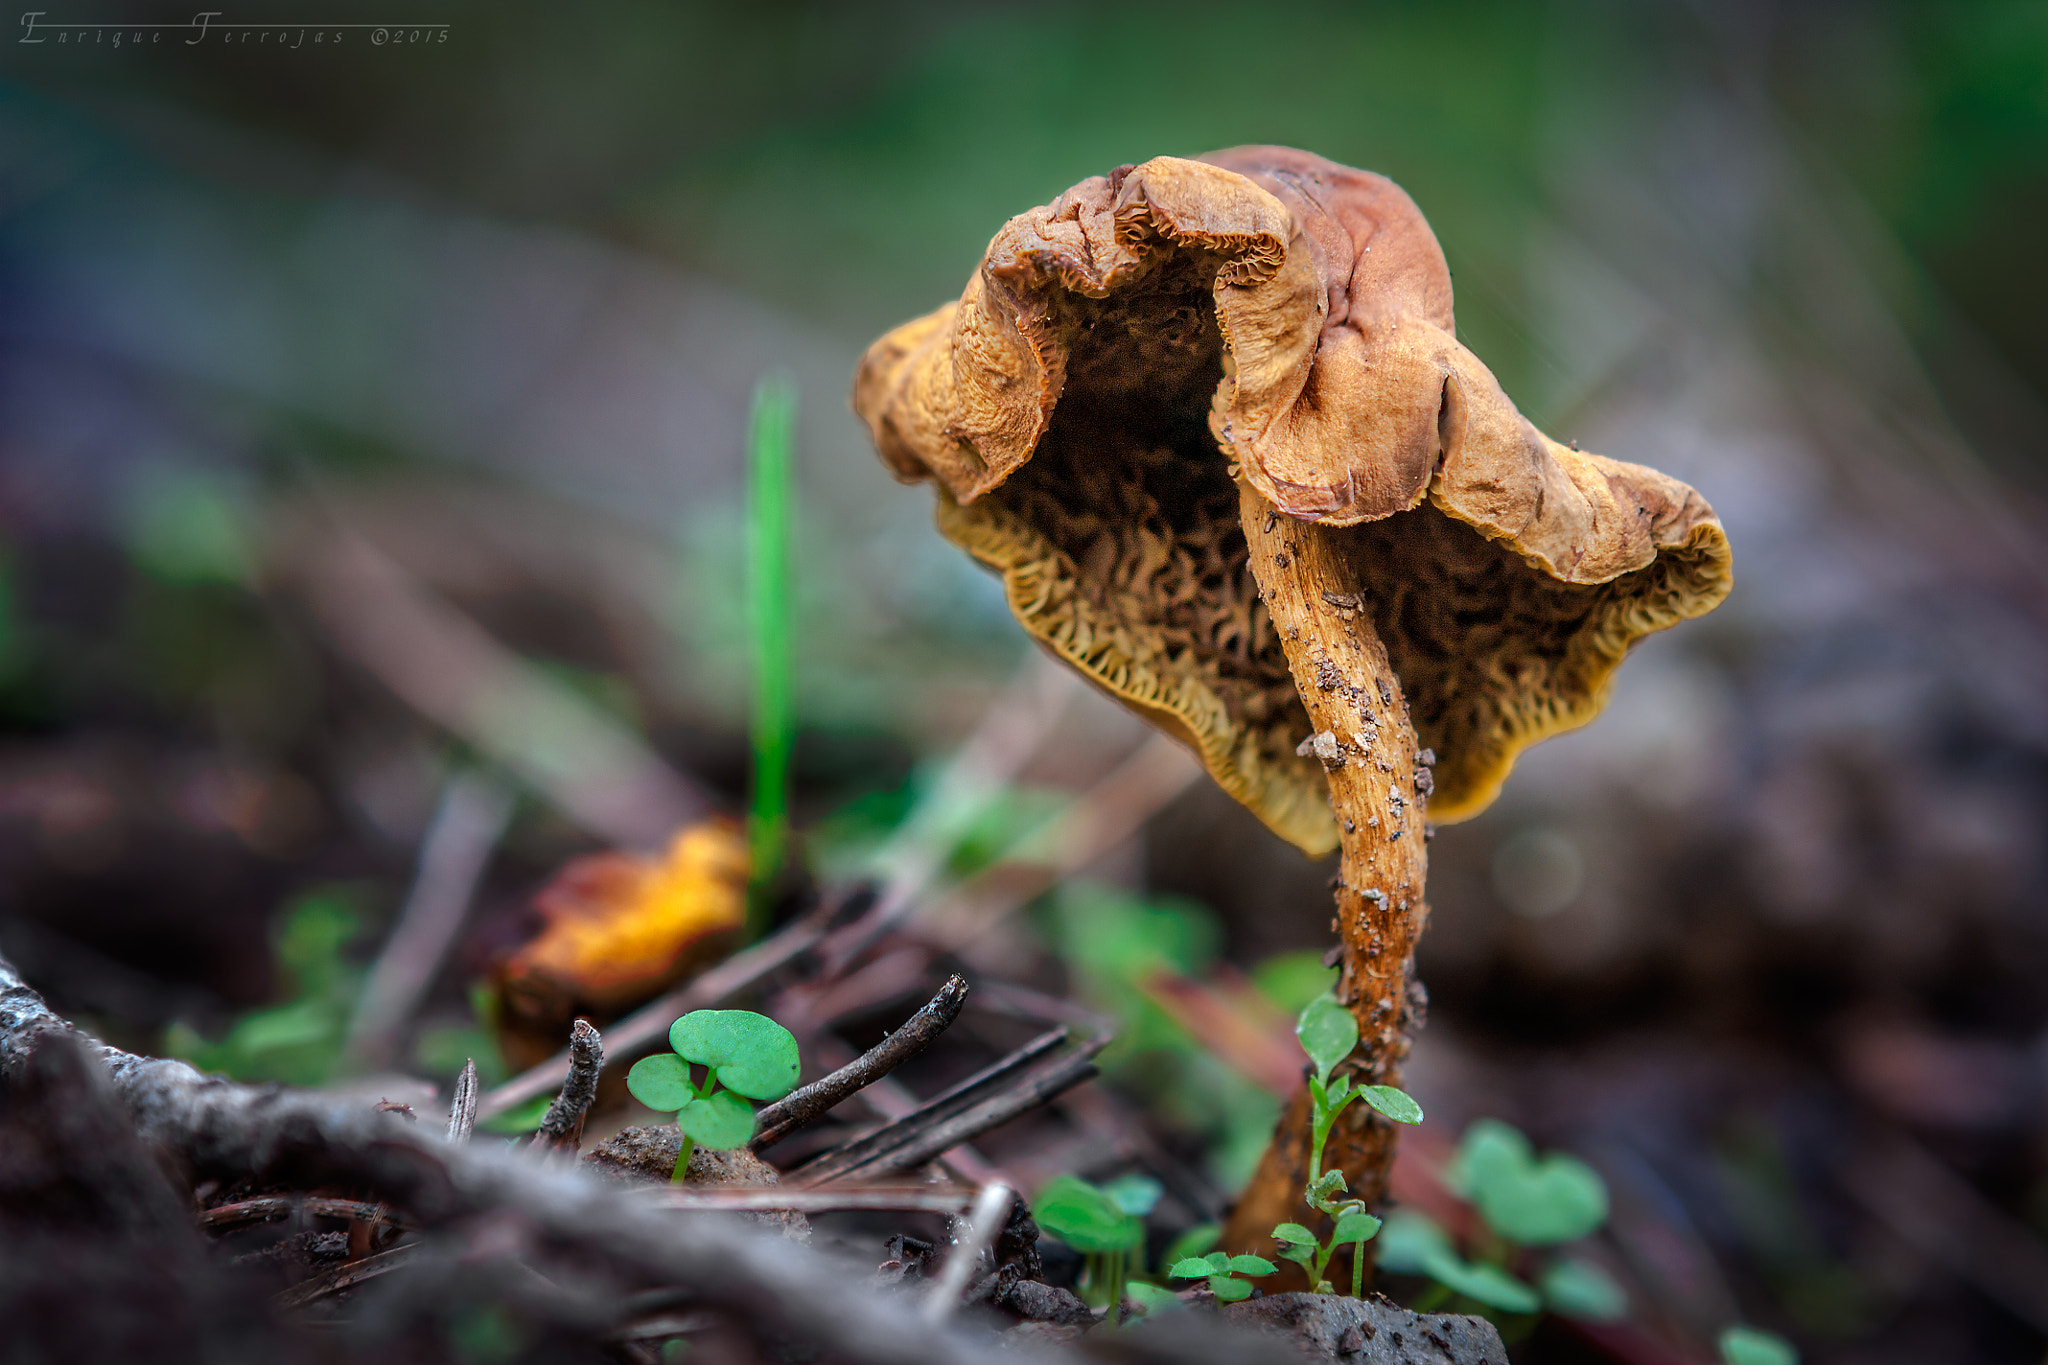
(1374, 1331)
(647, 1153)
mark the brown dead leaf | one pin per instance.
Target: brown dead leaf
(621, 928)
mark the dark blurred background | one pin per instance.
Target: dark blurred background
(1766, 943)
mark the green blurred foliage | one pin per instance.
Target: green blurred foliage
(1819, 1291)
(1524, 1202)
(852, 162)
(843, 844)
(298, 1041)
(188, 526)
(1291, 980)
(441, 1048)
(1536, 1202)
(1111, 940)
(486, 1335)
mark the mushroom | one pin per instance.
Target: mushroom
(1209, 421)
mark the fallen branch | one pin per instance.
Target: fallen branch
(221, 1129)
(777, 1121)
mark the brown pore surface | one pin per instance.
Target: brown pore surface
(1120, 547)
(1492, 653)
(1379, 789)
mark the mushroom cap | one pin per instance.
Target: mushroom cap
(1123, 351)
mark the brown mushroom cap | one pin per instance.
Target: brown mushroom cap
(1125, 349)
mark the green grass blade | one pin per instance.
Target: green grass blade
(771, 495)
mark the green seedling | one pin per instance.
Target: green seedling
(1221, 1270)
(744, 1056)
(1414, 1245)
(1328, 1035)
(1523, 1202)
(1195, 1242)
(1526, 1200)
(1105, 1223)
(1149, 1299)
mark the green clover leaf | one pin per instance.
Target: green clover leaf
(1294, 1232)
(749, 1053)
(661, 1082)
(1191, 1268)
(723, 1121)
(1535, 1202)
(1253, 1265)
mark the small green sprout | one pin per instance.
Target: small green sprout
(745, 1056)
(1328, 1035)
(1534, 1202)
(1522, 1201)
(1196, 1242)
(1219, 1269)
(1105, 1223)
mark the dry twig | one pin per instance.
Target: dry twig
(595, 771)
(562, 1129)
(270, 1208)
(458, 844)
(344, 1277)
(991, 1211)
(1023, 1080)
(462, 1112)
(777, 1121)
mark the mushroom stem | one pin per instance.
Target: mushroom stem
(1366, 742)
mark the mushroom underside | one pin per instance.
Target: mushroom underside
(1120, 549)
